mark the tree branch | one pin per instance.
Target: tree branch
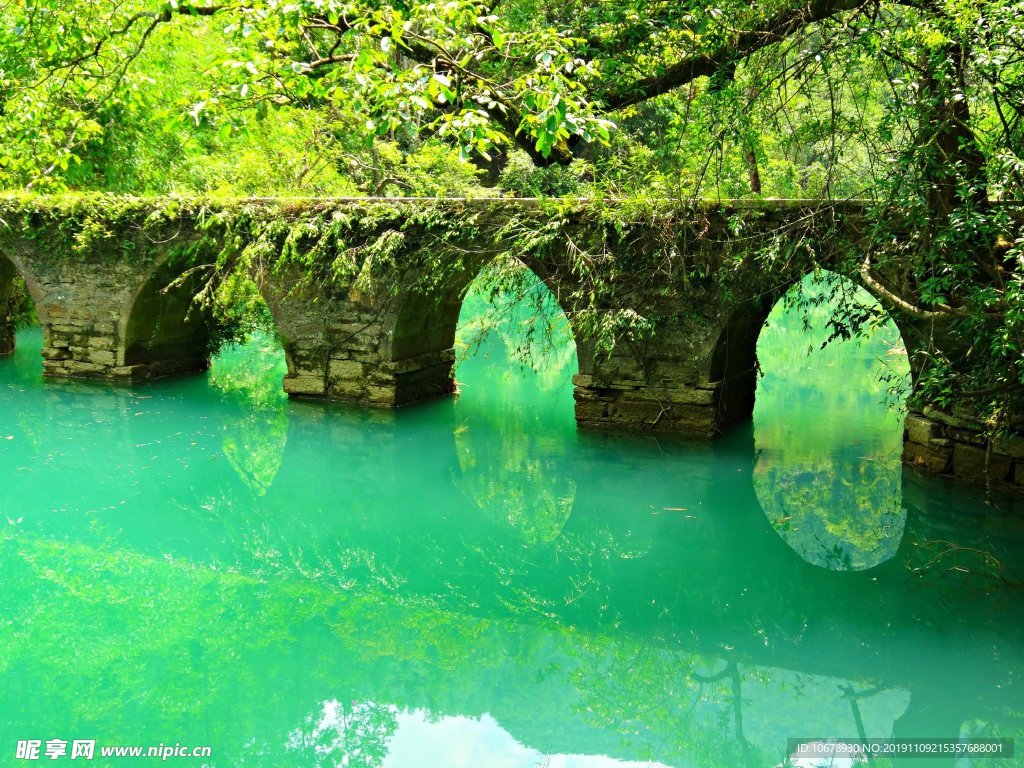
(944, 311)
(510, 119)
(775, 29)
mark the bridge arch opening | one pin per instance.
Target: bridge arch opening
(165, 331)
(246, 371)
(828, 424)
(20, 303)
(249, 357)
(514, 343)
(501, 319)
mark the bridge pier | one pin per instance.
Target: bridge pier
(120, 309)
(104, 322)
(695, 378)
(368, 344)
(345, 344)
(78, 311)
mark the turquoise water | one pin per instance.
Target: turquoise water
(473, 582)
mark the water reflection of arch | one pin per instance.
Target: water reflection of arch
(844, 624)
(432, 659)
(822, 625)
(512, 438)
(828, 459)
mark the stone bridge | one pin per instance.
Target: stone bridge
(365, 295)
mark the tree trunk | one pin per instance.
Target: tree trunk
(753, 172)
(954, 168)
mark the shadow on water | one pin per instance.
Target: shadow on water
(204, 561)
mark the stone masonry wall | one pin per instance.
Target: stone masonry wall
(339, 346)
(954, 444)
(666, 386)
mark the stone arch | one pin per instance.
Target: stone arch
(162, 331)
(538, 294)
(12, 268)
(831, 487)
(419, 334)
(733, 363)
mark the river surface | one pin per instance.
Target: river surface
(474, 582)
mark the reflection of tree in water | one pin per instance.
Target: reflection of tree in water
(517, 479)
(510, 437)
(254, 447)
(698, 715)
(828, 472)
(254, 443)
(353, 735)
(265, 646)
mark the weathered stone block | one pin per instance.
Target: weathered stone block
(627, 412)
(419, 362)
(351, 390)
(345, 369)
(951, 420)
(674, 395)
(101, 356)
(966, 413)
(924, 457)
(619, 369)
(687, 419)
(1010, 445)
(56, 353)
(381, 396)
(968, 436)
(75, 368)
(977, 464)
(590, 411)
(304, 385)
(605, 379)
(677, 372)
(921, 430)
(693, 396)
